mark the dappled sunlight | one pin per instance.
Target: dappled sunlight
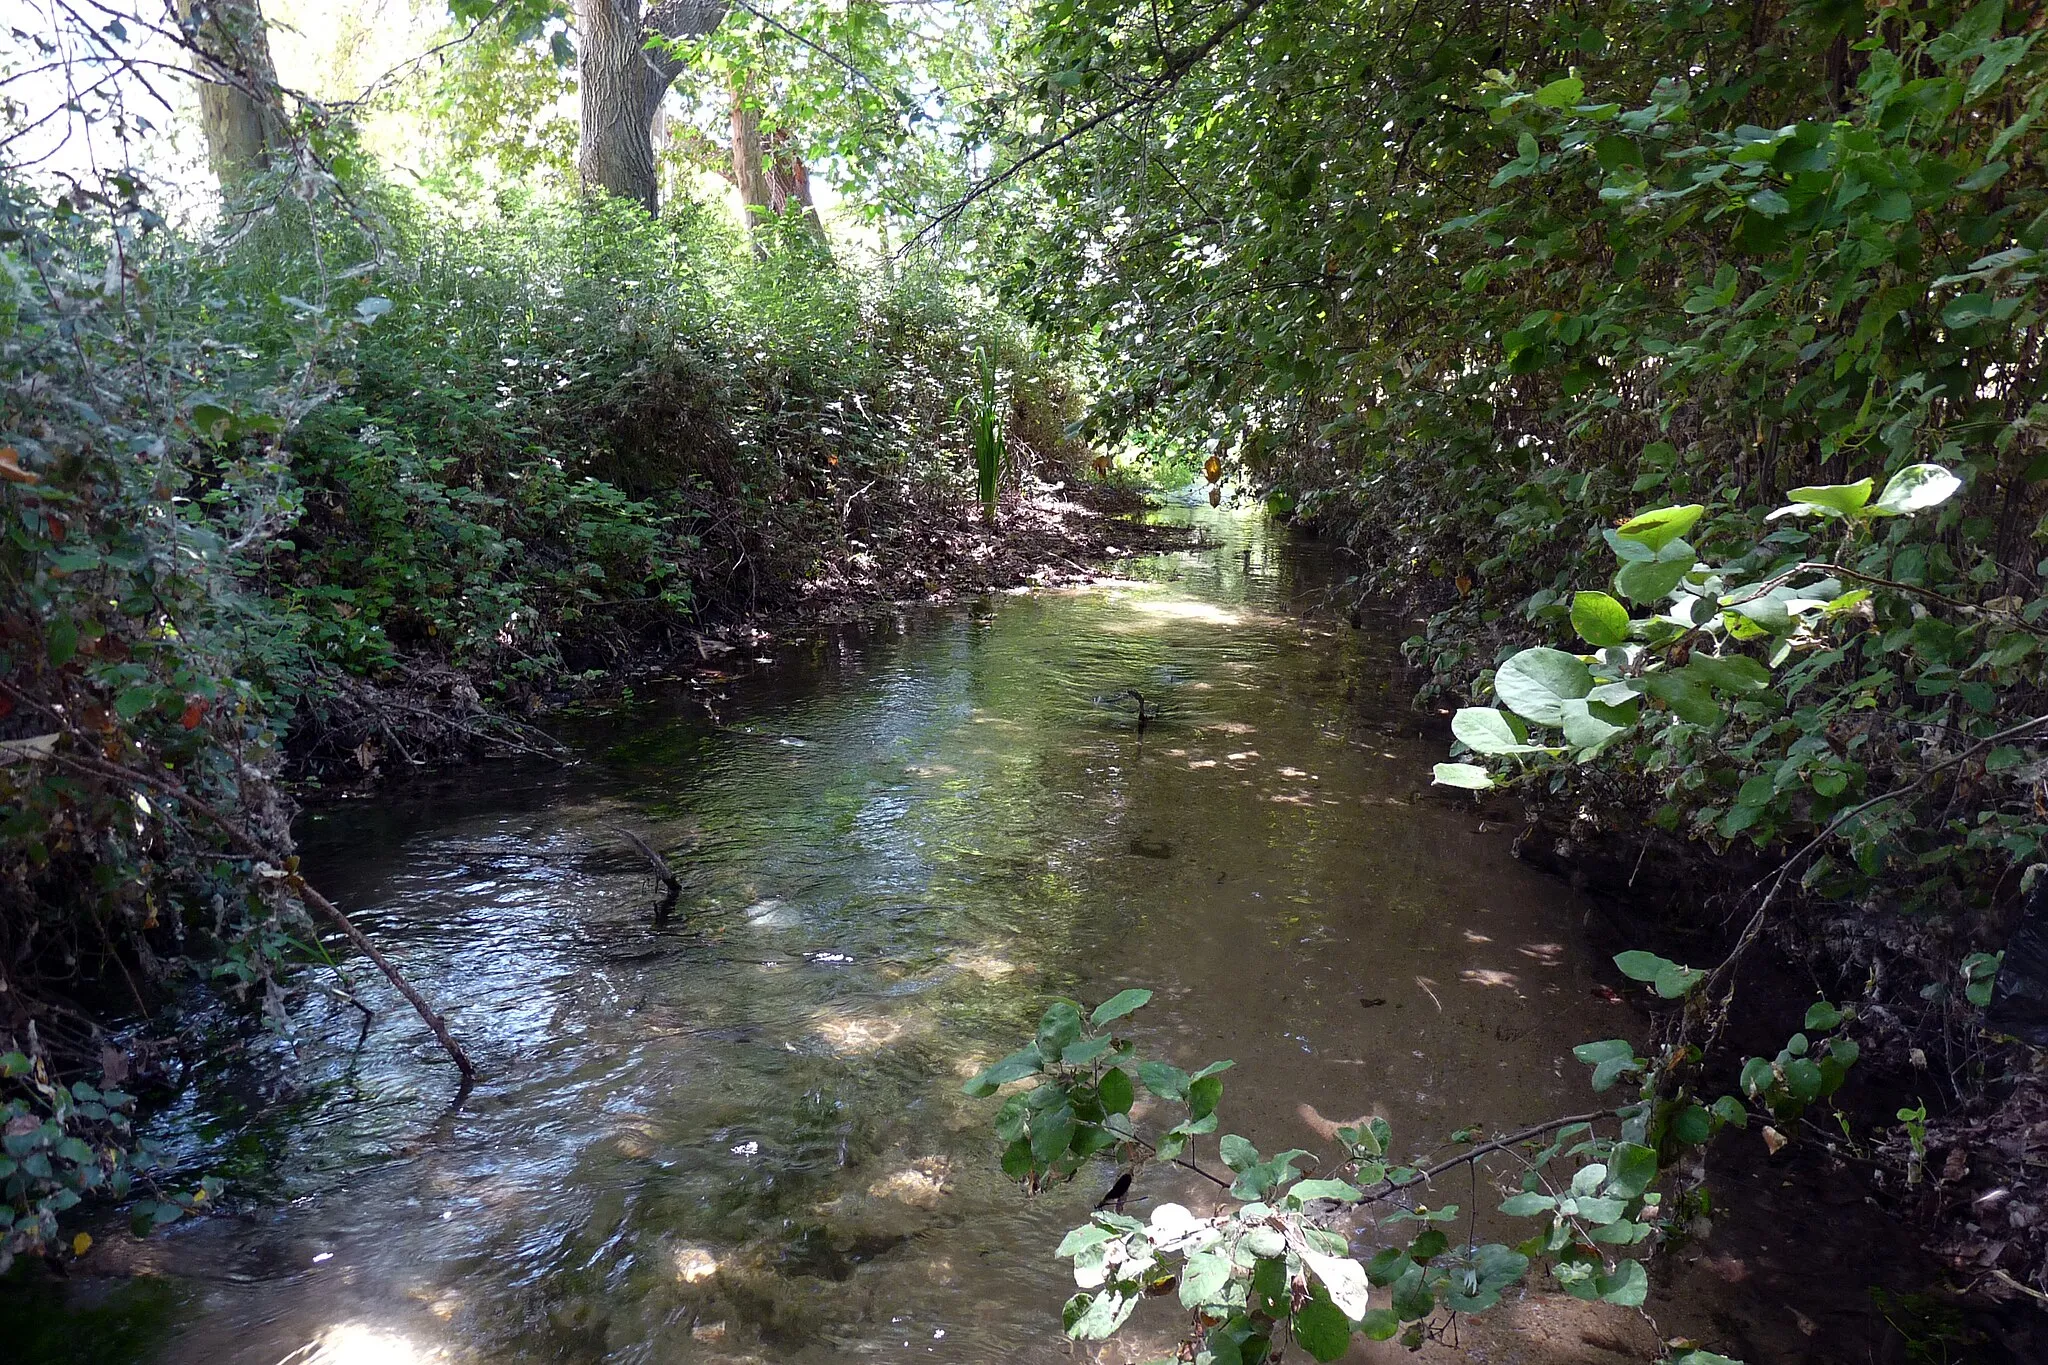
(921, 1184)
(857, 1034)
(1474, 937)
(987, 965)
(693, 1264)
(355, 1343)
(1490, 977)
(1175, 609)
(1548, 954)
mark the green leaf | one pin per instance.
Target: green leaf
(1915, 488)
(1839, 500)
(1341, 1190)
(1732, 673)
(1085, 1051)
(1468, 776)
(1660, 526)
(1051, 1132)
(1119, 1005)
(1967, 310)
(1167, 1082)
(1561, 94)
(1536, 683)
(1115, 1091)
(134, 701)
(1104, 1314)
(1527, 1205)
(1026, 1061)
(61, 639)
(1060, 1026)
(1684, 693)
(1080, 1239)
(1631, 1169)
(1628, 1286)
(1692, 1125)
(371, 308)
(1599, 619)
(1822, 1016)
(1651, 580)
(1484, 730)
(1379, 1324)
(1203, 1277)
(1323, 1331)
(1586, 732)
(1413, 1298)
(1237, 1153)
(1204, 1094)
(1637, 965)
(1344, 1278)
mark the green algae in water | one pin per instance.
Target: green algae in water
(44, 1321)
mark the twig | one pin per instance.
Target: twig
(253, 847)
(654, 859)
(1168, 77)
(1388, 1186)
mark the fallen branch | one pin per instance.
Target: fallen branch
(253, 847)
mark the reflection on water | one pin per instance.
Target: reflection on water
(737, 1133)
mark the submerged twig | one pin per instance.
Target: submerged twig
(661, 867)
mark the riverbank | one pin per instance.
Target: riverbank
(429, 711)
(1941, 1124)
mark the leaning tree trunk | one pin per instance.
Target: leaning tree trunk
(621, 82)
(239, 105)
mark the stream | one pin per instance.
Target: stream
(737, 1133)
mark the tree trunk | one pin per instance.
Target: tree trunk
(239, 105)
(621, 83)
(749, 172)
(771, 178)
(789, 189)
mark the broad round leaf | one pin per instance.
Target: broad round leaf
(1120, 1004)
(1322, 1330)
(1468, 776)
(1599, 619)
(1536, 684)
(1485, 730)
(1832, 499)
(1650, 580)
(1661, 526)
(1915, 488)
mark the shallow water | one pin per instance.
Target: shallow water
(739, 1133)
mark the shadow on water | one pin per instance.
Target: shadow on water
(737, 1132)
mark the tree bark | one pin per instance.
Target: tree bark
(789, 189)
(771, 178)
(621, 82)
(239, 105)
(749, 171)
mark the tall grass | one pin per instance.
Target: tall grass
(985, 428)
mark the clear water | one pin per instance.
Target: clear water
(738, 1133)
